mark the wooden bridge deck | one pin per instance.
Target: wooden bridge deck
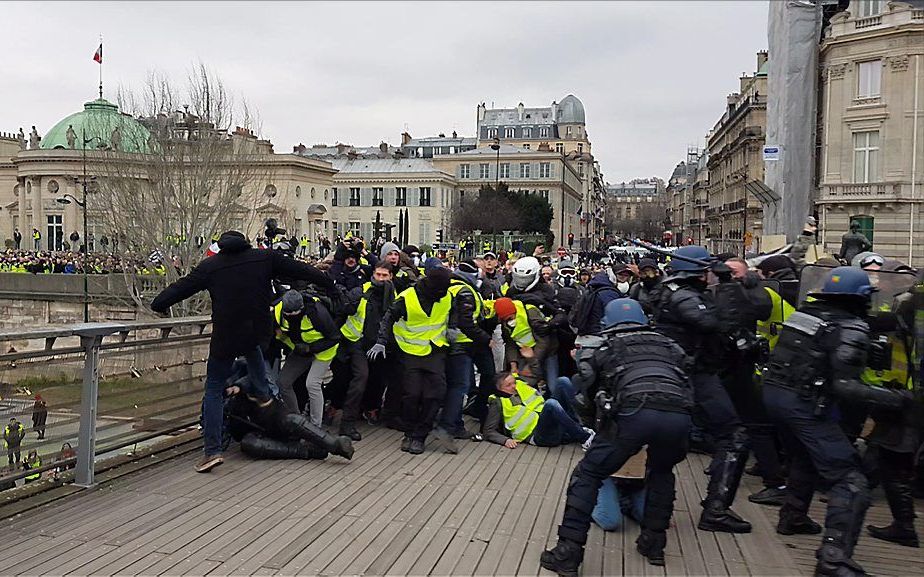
(486, 511)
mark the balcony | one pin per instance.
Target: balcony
(868, 22)
(866, 192)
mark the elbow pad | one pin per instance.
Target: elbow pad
(850, 354)
(875, 397)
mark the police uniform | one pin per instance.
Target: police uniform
(687, 314)
(645, 397)
(817, 363)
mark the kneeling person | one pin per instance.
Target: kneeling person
(645, 398)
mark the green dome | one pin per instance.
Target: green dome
(98, 121)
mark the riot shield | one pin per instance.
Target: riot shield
(889, 284)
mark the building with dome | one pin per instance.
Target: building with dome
(33, 179)
(560, 128)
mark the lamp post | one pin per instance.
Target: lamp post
(67, 199)
(496, 148)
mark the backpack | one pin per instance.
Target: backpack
(580, 315)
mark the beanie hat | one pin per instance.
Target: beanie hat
(468, 266)
(647, 263)
(565, 264)
(436, 283)
(292, 302)
(504, 308)
(431, 264)
(387, 248)
(410, 250)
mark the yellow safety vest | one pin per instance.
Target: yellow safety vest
(521, 333)
(417, 334)
(771, 327)
(309, 334)
(504, 288)
(897, 376)
(352, 329)
(34, 465)
(454, 287)
(521, 420)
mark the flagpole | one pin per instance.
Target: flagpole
(101, 68)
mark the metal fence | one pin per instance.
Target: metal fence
(108, 387)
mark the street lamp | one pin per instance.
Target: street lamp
(496, 148)
(67, 199)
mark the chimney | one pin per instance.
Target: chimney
(554, 111)
(481, 110)
(405, 138)
(454, 135)
(733, 100)
(745, 80)
(761, 59)
(520, 111)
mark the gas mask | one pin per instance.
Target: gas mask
(566, 279)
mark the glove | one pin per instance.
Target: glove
(377, 350)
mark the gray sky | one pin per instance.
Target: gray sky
(652, 76)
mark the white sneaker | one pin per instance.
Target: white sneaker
(586, 444)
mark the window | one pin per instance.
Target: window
(401, 196)
(869, 77)
(378, 197)
(333, 198)
(354, 197)
(55, 233)
(526, 146)
(580, 148)
(424, 196)
(866, 156)
(509, 133)
(335, 228)
(524, 170)
(870, 8)
(866, 225)
(545, 170)
(568, 131)
(483, 170)
(544, 194)
(354, 227)
(544, 132)
(581, 169)
(465, 171)
(505, 170)
(560, 147)
(527, 132)
(424, 231)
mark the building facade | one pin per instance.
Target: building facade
(636, 208)
(435, 145)
(733, 215)
(384, 189)
(871, 127)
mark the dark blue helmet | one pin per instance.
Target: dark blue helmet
(623, 311)
(678, 265)
(847, 281)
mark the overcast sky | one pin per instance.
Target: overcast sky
(652, 76)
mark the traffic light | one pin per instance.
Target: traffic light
(570, 239)
(439, 235)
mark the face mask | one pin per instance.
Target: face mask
(622, 287)
(511, 323)
(650, 282)
(416, 261)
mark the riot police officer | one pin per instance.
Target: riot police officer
(686, 313)
(644, 398)
(817, 362)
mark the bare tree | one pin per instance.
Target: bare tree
(188, 168)
(646, 223)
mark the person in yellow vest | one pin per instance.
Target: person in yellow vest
(303, 245)
(525, 331)
(32, 462)
(359, 332)
(518, 414)
(419, 321)
(309, 336)
(36, 239)
(13, 435)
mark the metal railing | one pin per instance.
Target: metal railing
(63, 359)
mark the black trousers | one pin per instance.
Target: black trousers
(745, 394)
(424, 389)
(666, 434)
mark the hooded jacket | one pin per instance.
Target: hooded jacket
(239, 282)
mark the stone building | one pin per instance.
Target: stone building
(389, 188)
(431, 146)
(631, 205)
(290, 188)
(871, 127)
(685, 197)
(735, 147)
(562, 129)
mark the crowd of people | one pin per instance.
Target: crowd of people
(683, 350)
(65, 262)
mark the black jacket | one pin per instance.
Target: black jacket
(239, 282)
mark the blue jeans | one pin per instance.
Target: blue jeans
(460, 372)
(613, 506)
(550, 366)
(557, 427)
(217, 373)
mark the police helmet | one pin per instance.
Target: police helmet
(526, 273)
(847, 281)
(623, 311)
(680, 268)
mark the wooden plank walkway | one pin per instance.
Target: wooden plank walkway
(486, 511)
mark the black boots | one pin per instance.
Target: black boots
(263, 447)
(299, 426)
(725, 476)
(349, 430)
(563, 559)
(717, 517)
(795, 523)
(833, 560)
(651, 546)
(901, 503)
(900, 532)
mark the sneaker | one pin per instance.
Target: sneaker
(416, 447)
(586, 444)
(406, 444)
(208, 463)
(446, 441)
(769, 496)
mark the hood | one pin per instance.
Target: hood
(387, 248)
(233, 241)
(469, 278)
(602, 279)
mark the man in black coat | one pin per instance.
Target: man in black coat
(239, 282)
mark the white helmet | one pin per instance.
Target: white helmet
(526, 273)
